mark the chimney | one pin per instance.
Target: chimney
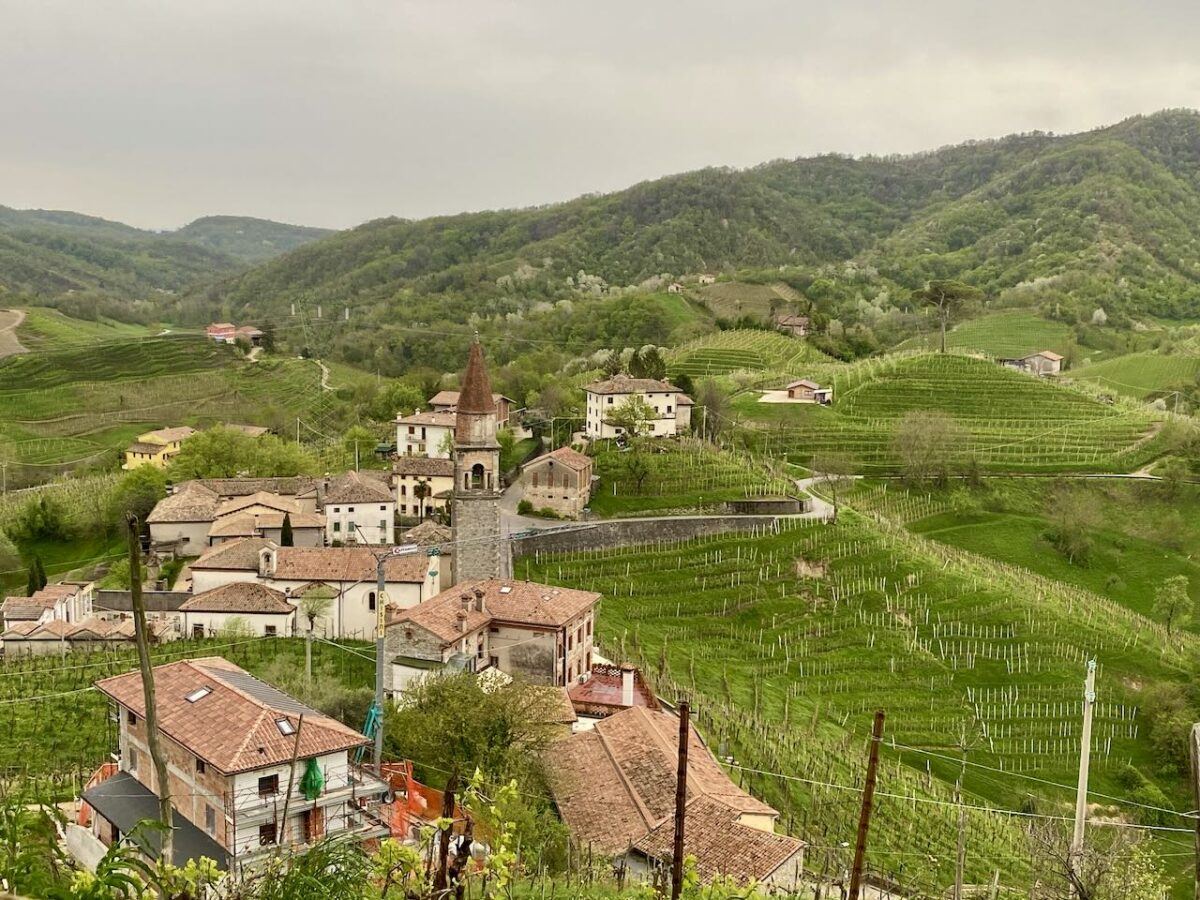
(627, 673)
(461, 618)
(479, 605)
(466, 601)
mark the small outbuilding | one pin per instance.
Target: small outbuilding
(560, 480)
(809, 392)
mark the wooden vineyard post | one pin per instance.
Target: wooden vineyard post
(864, 820)
(680, 801)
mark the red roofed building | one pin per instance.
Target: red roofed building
(230, 740)
(560, 481)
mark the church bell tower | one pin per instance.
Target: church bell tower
(475, 505)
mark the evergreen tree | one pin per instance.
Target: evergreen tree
(37, 576)
(285, 533)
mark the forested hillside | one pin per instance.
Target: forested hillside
(49, 253)
(1066, 223)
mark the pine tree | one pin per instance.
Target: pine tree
(285, 533)
(37, 576)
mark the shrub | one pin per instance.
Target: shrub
(524, 508)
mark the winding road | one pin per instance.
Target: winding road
(10, 319)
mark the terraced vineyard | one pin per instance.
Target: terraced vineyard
(684, 475)
(784, 639)
(744, 350)
(83, 402)
(1142, 375)
(1009, 334)
(1008, 420)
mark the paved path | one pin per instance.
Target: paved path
(324, 375)
(9, 320)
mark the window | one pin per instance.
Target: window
(286, 728)
(266, 834)
(133, 760)
(198, 631)
(337, 526)
(201, 766)
(382, 508)
(412, 429)
(371, 601)
(337, 509)
(198, 694)
(383, 525)
(404, 508)
(477, 475)
(535, 479)
(210, 819)
(610, 401)
(130, 717)
(349, 509)
(668, 410)
(268, 785)
(270, 631)
(403, 491)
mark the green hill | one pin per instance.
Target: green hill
(1069, 223)
(247, 239)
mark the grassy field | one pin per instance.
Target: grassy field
(685, 475)
(1007, 334)
(45, 329)
(38, 695)
(1008, 421)
(787, 641)
(1142, 375)
(734, 299)
(745, 350)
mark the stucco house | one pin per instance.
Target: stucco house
(797, 326)
(195, 517)
(347, 575)
(536, 632)
(156, 448)
(809, 392)
(221, 332)
(230, 740)
(359, 509)
(560, 480)
(614, 786)
(67, 601)
(672, 410)
(266, 611)
(423, 484)
(425, 434)
(447, 401)
(1045, 362)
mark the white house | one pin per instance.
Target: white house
(423, 484)
(69, 602)
(671, 409)
(426, 434)
(180, 521)
(359, 509)
(266, 611)
(346, 575)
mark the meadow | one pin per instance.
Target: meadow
(1007, 421)
(734, 300)
(789, 639)
(1144, 375)
(1009, 334)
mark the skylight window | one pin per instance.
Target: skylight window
(285, 726)
(506, 589)
(198, 694)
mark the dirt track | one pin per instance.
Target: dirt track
(9, 320)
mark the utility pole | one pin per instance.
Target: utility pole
(1194, 754)
(1085, 755)
(163, 782)
(864, 819)
(287, 798)
(960, 859)
(308, 656)
(685, 711)
(380, 633)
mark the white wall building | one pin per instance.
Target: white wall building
(671, 410)
(359, 509)
(426, 434)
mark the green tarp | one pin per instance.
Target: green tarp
(313, 782)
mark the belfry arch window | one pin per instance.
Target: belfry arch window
(477, 476)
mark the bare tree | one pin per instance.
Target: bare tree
(947, 297)
(834, 474)
(927, 442)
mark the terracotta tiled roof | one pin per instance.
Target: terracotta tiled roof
(248, 430)
(234, 726)
(258, 498)
(345, 564)
(33, 606)
(144, 447)
(168, 435)
(1047, 354)
(427, 534)
(603, 691)
(289, 485)
(54, 630)
(567, 456)
(616, 783)
(354, 487)
(450, 398)
(805, 383)
(248, 524)
(554, 706)
(239, 555)
(476, 395)
(792, 320)
(721, 845)
(442, 419)
(684, 400)
(19, 630)
(623, 384)
(518, 602)
(192, 502)
(240, 597)
(423, 466)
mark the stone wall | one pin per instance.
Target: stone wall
(156, 601)
(626, 532)
(476, 537)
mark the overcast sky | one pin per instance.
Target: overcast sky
(332, 112)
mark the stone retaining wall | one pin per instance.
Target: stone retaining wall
(626, 532)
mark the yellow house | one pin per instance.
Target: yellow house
(156, 448)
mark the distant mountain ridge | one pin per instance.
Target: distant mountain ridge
(52, 252)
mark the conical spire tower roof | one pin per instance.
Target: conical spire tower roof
(476, 394)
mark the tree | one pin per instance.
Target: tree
(37, 576)
(947, 297)
(267, 339)
(714, 405)
(315, 604)
(633, 416)
(636, 468)
(834, 473)
(221, 452)
(648, 363)
(1172, 603)
(286, 539)
(610, 365)
(507, 441)
(927, 443)
(137, 493)
(358, 441)
(1074, 518)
